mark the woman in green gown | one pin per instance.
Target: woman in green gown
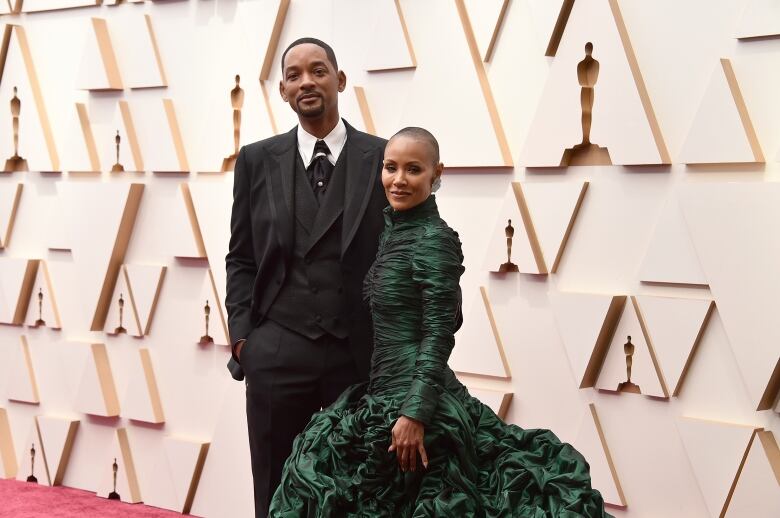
(413, 442)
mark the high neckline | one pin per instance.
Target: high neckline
(416, 213)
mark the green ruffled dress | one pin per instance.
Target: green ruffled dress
(478, 465)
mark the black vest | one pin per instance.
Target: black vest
(311, 300)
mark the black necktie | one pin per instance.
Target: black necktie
(320, 169)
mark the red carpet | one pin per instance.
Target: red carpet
(25, 500)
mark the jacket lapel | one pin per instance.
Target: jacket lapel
(362, 164)
(281, 177)
(333, 202)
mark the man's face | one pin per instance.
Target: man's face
(310, 83)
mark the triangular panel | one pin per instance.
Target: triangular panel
(17, 277)
(21, 383)
(756, 491)
(117, 471)
(160, 135)
(7, 452)
(137, 52)
(43, 309)
(97, 393)
(722, 131)
(760, 18)
(390, 47)
(178, 473)
(215, 326)
(510, 249)
(99, 67)
(497, 400)
(57, 435)
(486, 16)
(10, 195)
(478, 346)
(142, 400)
(32, 458)
(675, 327)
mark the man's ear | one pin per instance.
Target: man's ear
(342, 80)
(281, 92)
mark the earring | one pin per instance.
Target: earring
(436, 184)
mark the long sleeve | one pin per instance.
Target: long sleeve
(436, 269)
(240, 261)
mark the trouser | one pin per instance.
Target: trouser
(288, 378)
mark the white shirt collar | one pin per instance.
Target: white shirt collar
(335, 141)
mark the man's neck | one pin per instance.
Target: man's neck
(319, 127)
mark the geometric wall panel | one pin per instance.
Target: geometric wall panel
(716, 451)
(675, 327)
(760, 18)
(160, 135)
(21, 383)
(31, 6)
(99, 68)
(623, 119)
(57, 436)
(757, 488)
(7, 452)
(178, 471)
(142, 399)
(390, 47)
(212, 320)
(671, 256)
(32, 458)
(592, 443)
(185, 227)
(645, 371)
(118, 470)
(734, 227)
(486, 18)
(81, 153)
(9, 204)
(42, 309)
(17, 71)
(137, 52)
(139, 285)
(722, 131)
(586, 323)
(130, 156)
(498, 401)
(475, 352)
(97, 393)
(16, 285)
(510, 221)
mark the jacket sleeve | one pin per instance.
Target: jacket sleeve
(240, 260)
(436, 269)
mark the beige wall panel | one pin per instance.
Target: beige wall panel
(127, 479)
(497, 400)
(29, 6)
(15, 282)
(99, 69)
(522, 253)
(131, 156)
(586, 323)
(718, 133)
(45, 308)
(715, 450)
(142, 400)
(671, 256)
(57, 435)
(36, 143)
(620, 122)
(96, 393)
(757, 490)
(643, 370)
(186, 239)
(487, 18)
(137, 52)
(734, 227)
(675, 327)
(22, 385)
(10, 196)
(591, 442)
(179, 470)
(36, 465)
(760, 18)
(81, 151)
(159, 135)
(7, 453)
(213, 203)
(140, 287)
(228, 453)
(475, 352)
(390, 47)
(217, 324)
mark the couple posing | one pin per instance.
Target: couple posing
(343, 295)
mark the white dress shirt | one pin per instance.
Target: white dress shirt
(335, 141)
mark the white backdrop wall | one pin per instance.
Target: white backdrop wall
(703, 227)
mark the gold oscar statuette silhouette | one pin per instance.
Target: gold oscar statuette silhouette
(16, 163)
(40, 321)
(206, 339)
(628, 386)
(237, 100)
(587, 153)
(508, 266)
(32, 478)
(113, 495)
(117, 168)
(121, 329)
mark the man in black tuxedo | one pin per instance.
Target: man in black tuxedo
(307, 214)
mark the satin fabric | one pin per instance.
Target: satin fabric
(478, 465)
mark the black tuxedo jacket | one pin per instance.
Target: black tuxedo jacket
(262, 226)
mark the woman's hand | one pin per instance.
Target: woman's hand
(407, 442)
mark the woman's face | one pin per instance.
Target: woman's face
(409, 171)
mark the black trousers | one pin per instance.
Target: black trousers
(288, 378)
